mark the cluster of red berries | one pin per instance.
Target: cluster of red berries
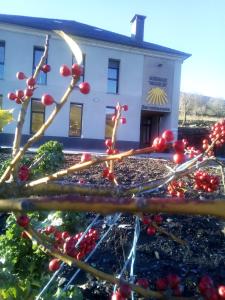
(119, 107)
(20, 96)
(65, 243)
(110, 149)
(160, 143)
(75, 71)
(209, 291)
(218, 133)
(171, 281)
(148, 220)
(193, 152)
(23, 173)
(108, 175)
(176, 188)
(206, 182)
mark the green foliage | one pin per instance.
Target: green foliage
(5, 118)
(49, 158)
(23, 265)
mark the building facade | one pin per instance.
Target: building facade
(122, 69)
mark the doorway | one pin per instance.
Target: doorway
(149, 127)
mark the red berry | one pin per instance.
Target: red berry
(161, 284)
(65, 71)
(50, 229)
(20, 75)
(84, 87)
(151, 230)
(46, 68)
(85, 157)
(143, 282)
(178, 158)
(221, 291)
(23, 173)
(19, 94)
(146, 220)
(31, 82)
(76, 70)
(173, 280)
(28, 92)
(205, 283)
(123, 120)
(125, 107)
(108, 143)
(11, 96)
(109, 151)
(125, 290)
(65, 235)
(111, 176)
(23, 221)
(54, 265)
(47, 100)
(159, 144)
(105, 173)
(158, 219)
(81, 181)
(179, 146)
(168, 135)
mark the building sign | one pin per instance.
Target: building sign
(156, 96)
(157, 81)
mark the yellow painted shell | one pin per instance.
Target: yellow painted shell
(157, 96)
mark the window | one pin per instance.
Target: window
(113, 76)
(75, 126)
(38, 52)
(83, 66)
(37, 115)
(1, 101)
(110, 112)
(2, 59)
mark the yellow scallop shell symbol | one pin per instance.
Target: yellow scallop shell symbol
(157, 96)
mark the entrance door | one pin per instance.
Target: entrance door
(145, 131)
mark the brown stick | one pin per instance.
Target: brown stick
(109, 205)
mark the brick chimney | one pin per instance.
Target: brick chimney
(137, 28)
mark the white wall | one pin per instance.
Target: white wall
(19, 57)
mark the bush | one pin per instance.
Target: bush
(49, 158)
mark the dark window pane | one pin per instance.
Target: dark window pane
(1, 100)
(112, 86)
(75, 119)
(1, 71)
(113, 76)
(37, 121)
(37, 115)
(2, 53)
(114, 63)
(110, 111)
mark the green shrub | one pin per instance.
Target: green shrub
(49, 158)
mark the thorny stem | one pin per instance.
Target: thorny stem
(24, 106)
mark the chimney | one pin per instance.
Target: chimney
(137, 28)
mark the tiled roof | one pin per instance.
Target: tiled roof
(86, 31)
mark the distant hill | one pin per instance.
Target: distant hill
(200, 110)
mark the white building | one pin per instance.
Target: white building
(123, 69)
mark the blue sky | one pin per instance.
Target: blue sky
(193, 26)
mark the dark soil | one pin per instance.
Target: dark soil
(158, 255)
